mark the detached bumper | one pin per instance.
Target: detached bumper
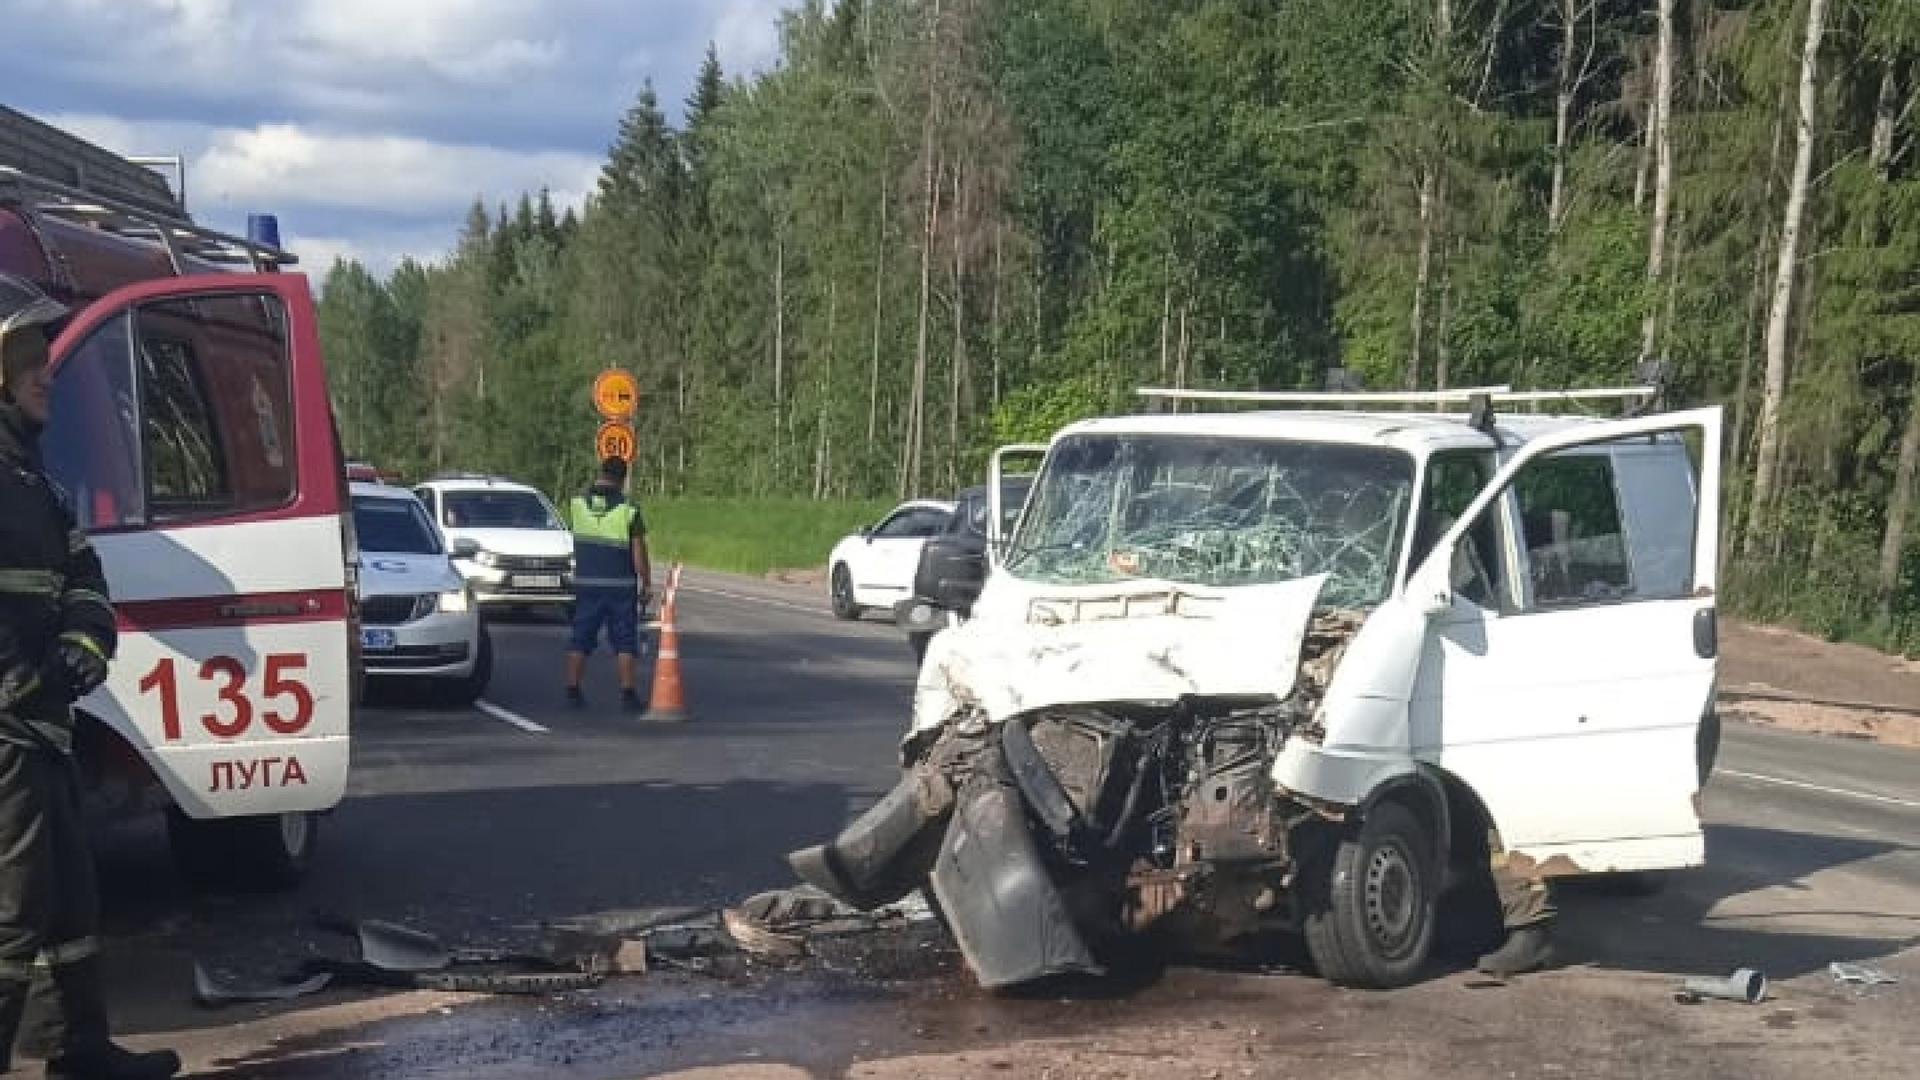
(1011, 921)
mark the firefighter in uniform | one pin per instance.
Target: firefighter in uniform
(612, 574)
(56, 637)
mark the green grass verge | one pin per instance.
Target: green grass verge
(753, 536)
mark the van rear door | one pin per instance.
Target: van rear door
(192, 431)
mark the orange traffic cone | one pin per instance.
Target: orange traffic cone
(667, 703)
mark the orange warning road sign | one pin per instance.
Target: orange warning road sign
(616, 439)
(616, 393)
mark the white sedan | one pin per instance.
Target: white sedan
(875, 566)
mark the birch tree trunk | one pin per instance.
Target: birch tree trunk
(1774, 393)
(1442, 351)
(1423, 271)
(779, 351)
(1564, 91)
(1661, 133)
(1893, 543)
(957, 362)
(917, 399)
(993, 333)
(879, 281)
(1738, 444)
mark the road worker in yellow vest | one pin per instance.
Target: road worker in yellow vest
(612, 575)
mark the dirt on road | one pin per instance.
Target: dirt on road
(1785, 679)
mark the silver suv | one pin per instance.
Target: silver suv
(506, 539)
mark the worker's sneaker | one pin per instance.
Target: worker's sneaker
(1530, 948)
(114, 1063)
(575, 698)
(630, 700)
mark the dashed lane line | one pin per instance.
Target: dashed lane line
(506, 716)
(1802, 785)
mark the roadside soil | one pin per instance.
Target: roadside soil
(1791, 680)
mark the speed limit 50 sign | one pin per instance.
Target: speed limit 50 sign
(616, 439)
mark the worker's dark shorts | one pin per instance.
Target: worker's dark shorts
(618, 611)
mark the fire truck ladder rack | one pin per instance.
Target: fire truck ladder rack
(181, 238)
(1438, 399)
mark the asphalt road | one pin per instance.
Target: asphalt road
(480, 825)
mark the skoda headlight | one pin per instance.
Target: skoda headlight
(457, 601)
(487, 558)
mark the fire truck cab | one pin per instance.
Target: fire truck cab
(192, 432)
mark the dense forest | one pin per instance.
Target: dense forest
(935, 225)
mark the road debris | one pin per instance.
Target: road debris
(1745, 984)
(1860, 975)
(213, 993)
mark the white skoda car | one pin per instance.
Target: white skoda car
(418, 619)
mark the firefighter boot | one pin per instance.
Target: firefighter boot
(112, 1062)
(1528, 948)
(77, 1032)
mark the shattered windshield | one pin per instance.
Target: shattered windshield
(1205, 510)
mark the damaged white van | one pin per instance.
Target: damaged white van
(1244, 672)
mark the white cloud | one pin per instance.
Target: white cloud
(478, 42)
(282, 165)
(289, 165)
(746, 33)
(371, 124)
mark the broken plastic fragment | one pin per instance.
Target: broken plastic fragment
(212, 993)
(1860, 975)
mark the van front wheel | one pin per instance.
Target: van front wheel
(263, 853)
(1370, 903)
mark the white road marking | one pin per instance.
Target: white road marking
(1804, 786)
(756, 600)
(506, 717)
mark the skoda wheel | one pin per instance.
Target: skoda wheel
(467, 689)
(1370, 905)
(263, 853)
(844, 606)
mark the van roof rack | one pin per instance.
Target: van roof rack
(1466, 396)
(173, 231)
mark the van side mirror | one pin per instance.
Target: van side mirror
(464, 548)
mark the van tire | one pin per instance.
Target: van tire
(1370, 903)
(263, 853)
(465, 691)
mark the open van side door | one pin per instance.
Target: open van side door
(192, 431)
(1569, 691)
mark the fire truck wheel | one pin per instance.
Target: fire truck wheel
(265, 853)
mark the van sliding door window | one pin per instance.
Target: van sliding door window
(1575, 545)
(91, 444)
(216, 407)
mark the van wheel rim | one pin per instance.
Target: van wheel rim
(296, 832)
(1391, 886)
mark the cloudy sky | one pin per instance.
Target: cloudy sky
(369, 126)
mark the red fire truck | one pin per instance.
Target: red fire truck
(192, 431)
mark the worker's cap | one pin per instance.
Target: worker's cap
(22, 305)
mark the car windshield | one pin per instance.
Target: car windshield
(393, 526)
(498, 510)
(1204, 510)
